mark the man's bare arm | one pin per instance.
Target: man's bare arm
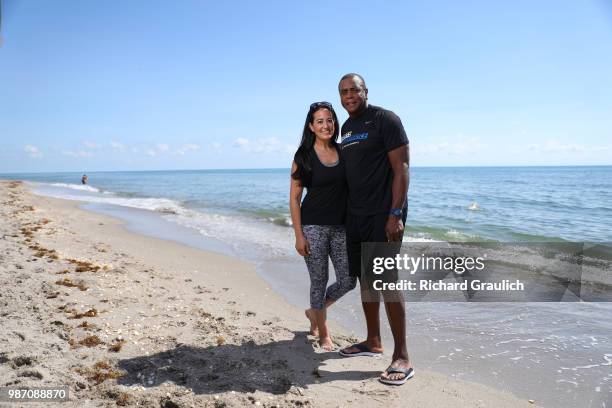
(399, 159)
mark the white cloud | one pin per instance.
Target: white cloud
(117, 147)
(91, 145)
(77, 153)
(457, 148)
(186, 148)
(216, 147)
(33, 151)
(553, 146)
(241, 142)
(158, 149)
(154, 151)
(265, 145)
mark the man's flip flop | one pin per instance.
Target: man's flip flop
(363, 351)
(408, 374)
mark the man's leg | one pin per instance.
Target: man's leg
(357, 230)
(396, 313)
(371, 310)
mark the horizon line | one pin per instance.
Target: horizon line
(288, 168)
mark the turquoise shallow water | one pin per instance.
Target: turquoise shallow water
(512, 203)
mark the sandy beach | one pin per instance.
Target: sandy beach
(129, 320)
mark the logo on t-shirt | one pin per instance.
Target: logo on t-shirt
(349, 137)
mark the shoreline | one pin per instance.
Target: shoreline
(187, 328)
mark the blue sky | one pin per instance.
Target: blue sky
(99, 85)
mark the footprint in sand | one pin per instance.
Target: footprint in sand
(21, 361)
(31, 374)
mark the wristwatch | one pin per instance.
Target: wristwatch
(396, 212)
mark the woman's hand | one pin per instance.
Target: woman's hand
(301, 245)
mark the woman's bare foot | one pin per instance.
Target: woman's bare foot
(326, 343)
(314, 330)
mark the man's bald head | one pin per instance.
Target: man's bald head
(356, 77)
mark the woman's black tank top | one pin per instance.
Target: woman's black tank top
(325, 201)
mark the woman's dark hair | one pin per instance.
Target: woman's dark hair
(304, 154)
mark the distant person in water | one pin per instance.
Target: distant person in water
(319, 219)
(84, 179)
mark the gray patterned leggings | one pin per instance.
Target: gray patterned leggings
(327, 241)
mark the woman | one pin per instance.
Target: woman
(319, 220)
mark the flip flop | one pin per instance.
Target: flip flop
(363, 351)
(408, 374)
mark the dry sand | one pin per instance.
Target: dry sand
(124, 319)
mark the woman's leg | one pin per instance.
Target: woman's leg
(337, 252)
(318, 268)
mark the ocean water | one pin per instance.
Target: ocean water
(557, 354)
(512, 203)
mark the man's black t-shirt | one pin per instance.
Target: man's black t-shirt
(366, 140)
(325, 201)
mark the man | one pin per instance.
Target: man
(375, 150)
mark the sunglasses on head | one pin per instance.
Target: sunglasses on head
(317, 105)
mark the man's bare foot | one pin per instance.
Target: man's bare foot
(314, 330)
(400, 363)
(326, 343)
(365, 348)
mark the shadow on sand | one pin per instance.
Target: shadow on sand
(272, 367)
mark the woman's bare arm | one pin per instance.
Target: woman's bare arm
(295, 198)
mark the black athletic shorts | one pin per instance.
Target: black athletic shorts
(367, 228)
